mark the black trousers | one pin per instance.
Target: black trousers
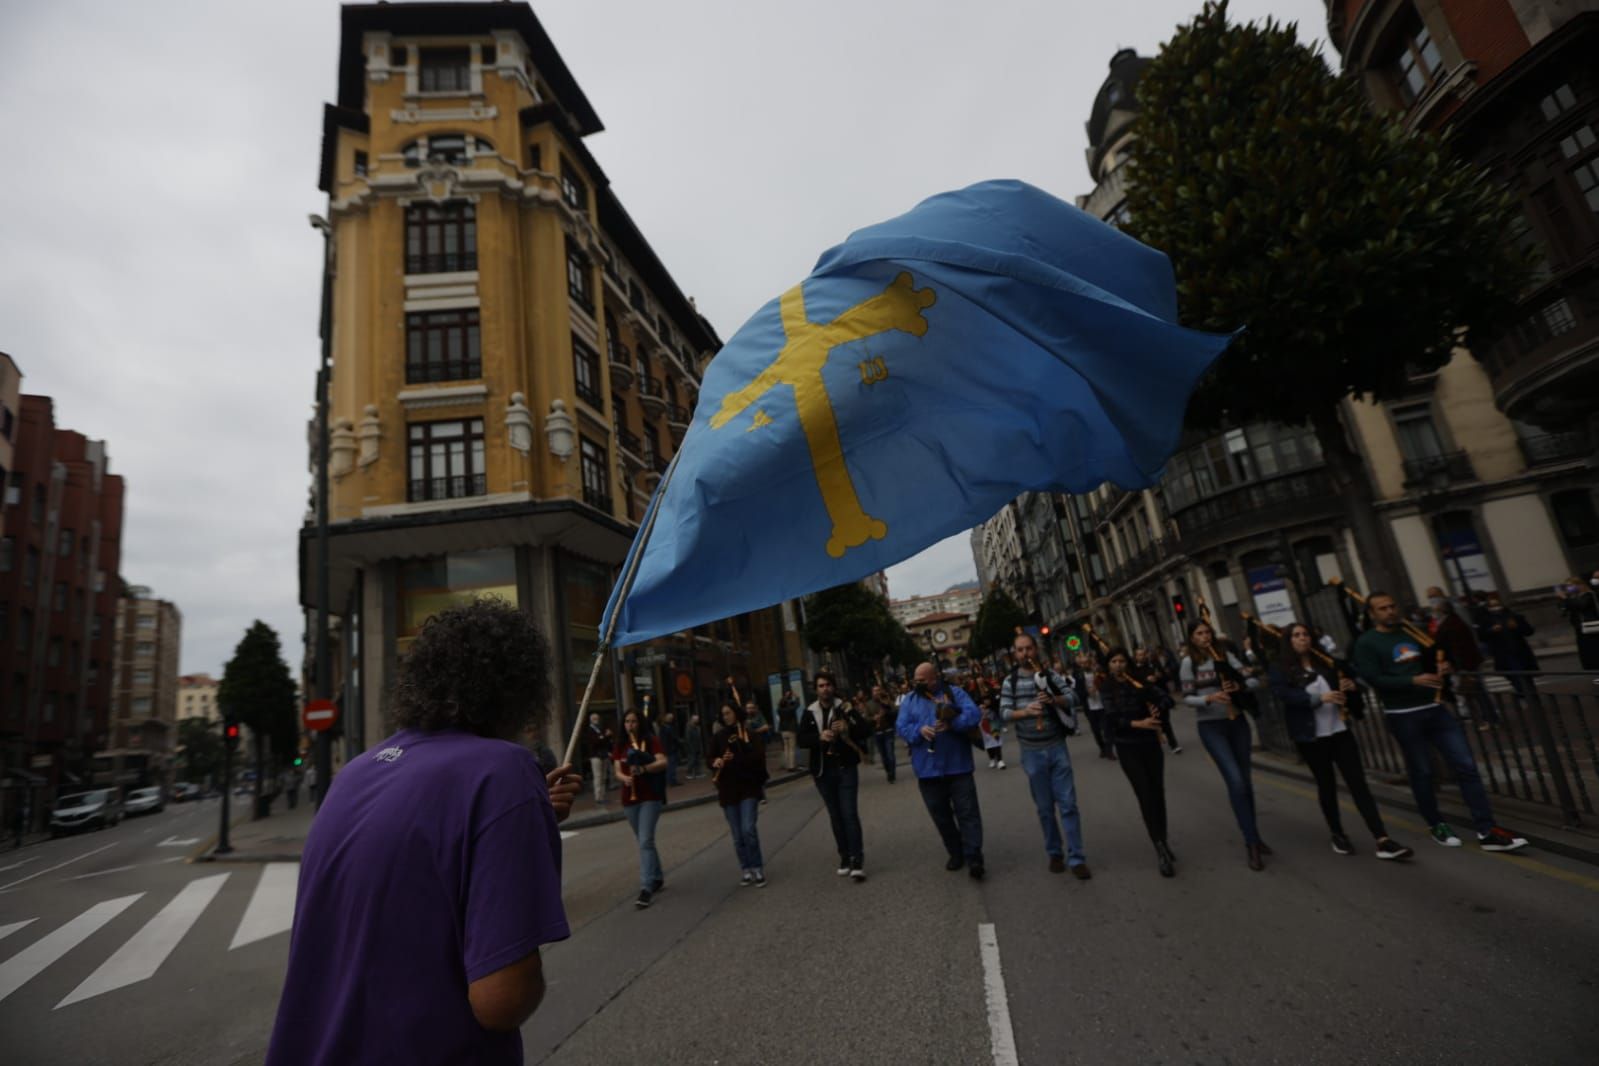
(1145, 767)
(1342, 751)
(1096, 722)
(952, 803)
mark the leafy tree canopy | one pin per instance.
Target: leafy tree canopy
(856, 621)
(1348, 246)
(257, 690)
(995, 627)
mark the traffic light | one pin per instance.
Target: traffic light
(1179, 608)
(230, 733)
(298, 761)
(1043, 631)
(1074, 643)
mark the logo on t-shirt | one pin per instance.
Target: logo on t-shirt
(389, 754)
(1406, 653)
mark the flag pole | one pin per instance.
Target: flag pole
(610, 626)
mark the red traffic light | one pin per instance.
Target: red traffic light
(1043, 631)
(233, 732)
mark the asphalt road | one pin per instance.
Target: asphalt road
(113, 952)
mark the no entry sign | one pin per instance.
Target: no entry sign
(319, 715)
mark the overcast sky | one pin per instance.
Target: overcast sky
(159, 280)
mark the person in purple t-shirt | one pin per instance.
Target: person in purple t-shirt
(432, 874)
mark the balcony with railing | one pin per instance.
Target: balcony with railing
(620, 359)
(1549, 448)
(677, 419)
(447, 488)
(1547, 361)
(1435, 473)
(652, 396)
(600, 501)
(628, 441)
(1256, 506)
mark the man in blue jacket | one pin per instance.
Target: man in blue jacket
(933, 721)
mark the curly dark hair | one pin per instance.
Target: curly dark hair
(483, 667)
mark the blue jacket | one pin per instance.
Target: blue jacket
(951, 753)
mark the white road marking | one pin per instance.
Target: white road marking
(271, 909)
(7, 930)
(25, 965)
(1001, 1037)
(568, 834)
(14, 865)
(57, 866)
(147, 949)
(174, 842)
(98, 873)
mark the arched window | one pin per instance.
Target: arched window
(446, 148)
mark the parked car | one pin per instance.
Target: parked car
(144, 801)
(184, 791)
(98, 809)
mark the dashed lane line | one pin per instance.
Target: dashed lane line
(57, 866)
(1001, 1036)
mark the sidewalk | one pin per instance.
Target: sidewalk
(1540, 823)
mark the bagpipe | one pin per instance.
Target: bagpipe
(1446, 691)
(1354, 699)
(1233, 680)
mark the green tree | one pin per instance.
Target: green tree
(1354, 252)
(258, 691)
(997, 618)
(202, 749)
(856, 622)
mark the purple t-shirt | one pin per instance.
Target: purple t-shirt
(434, 861)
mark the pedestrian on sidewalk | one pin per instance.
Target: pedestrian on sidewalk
(1394, 663)
(934, 719)
(1134, 717)
(431, 954)
(597, 744)
(1504, 636)
(641, 765)
(992, 725)
(738, 764)
(882, 712)
(788, 712)
(694, 744)
(1317, 707)
(1579, 602)
(673, 745)
(1036, 703)
(1458, 640)
(1147, 670)
(832, 735)
(1214, 684)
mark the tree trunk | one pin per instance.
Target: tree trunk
(1353, 485)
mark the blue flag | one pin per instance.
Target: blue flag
(988, 342)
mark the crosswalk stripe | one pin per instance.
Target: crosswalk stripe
(26, 964)
(144, 953)
(7, 930)
(271, 909)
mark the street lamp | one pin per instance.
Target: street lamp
(322, 680)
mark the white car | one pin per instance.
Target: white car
(144, 801)
(99, 808)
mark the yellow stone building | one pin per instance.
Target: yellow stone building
(512, 364)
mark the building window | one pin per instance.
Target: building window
(399, 56)
(442, 346)
(445, 70)
(436, 583)
(59, 601)
(596, 485)
(1576, 517)
(586, 373)
(1587, 176)
(579, 276)
(8, 549)
(453, 148)
(535, 157)
(14, 488)
(142, 704)
(24, 629)
(1577, 142)
(99, 581)
(143, 677)
(53, 656)
(1558, 317)
(440, 238)
(94, 671)
(1417, 62)
(94, 628)
(144, 649)
(1562, 99)
(446, 460)
(146, 621)
(64, 543)
(573, 190)
(1418, 434)
(30, 568)
(360, 164)
(36, 515)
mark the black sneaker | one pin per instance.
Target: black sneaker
(856, 873)
(643, 898)
(1392, 849)
(747, 878)
(1341, 844)
(977, 872)
(1497, 839)
(760, 878)
(955, 863)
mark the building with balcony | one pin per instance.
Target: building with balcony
(197, 697)
(1486, 472)
(144, 697)
(961, 599)
(59, 555)
(480, 443)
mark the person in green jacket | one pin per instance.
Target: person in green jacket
(1408, 683)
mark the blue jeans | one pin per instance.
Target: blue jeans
(840, 788)
(642, 817)
(1228, 743)
(746, 841)
(671, 768)
(885, 748)
(1049, 778)
(952, 802)
(1435, 727)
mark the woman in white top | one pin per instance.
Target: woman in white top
(1316, 702)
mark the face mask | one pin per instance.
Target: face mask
(1594, 581)
(1438, 603)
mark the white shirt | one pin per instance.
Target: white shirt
(1329, 719)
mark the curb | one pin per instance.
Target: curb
(589, 821)
(1589, 855)
(203, 853)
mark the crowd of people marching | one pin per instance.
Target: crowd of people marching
(1129, 701)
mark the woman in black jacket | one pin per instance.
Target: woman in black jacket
(738, 762)
(1316, 701)
(1134, 712)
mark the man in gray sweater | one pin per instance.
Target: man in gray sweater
(1039, 706)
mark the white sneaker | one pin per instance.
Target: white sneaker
(747, 880)
(1002, 764)
(843, 870)
(858, 874)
